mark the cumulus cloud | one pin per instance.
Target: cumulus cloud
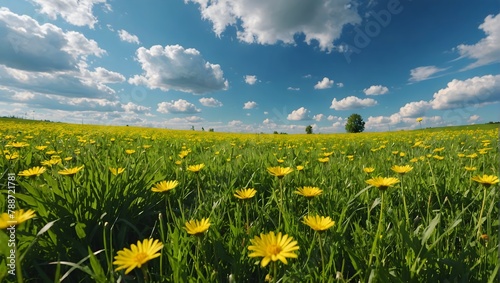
(132, 107)
(340, 84)
(127, 37)
(397, 122)
(424, 73)
(178, 106)
(415, 109)
(474, 118)
(177, 68)
(250, 79)
(235, 123)
(75, 12)
(318, 117)
(269, 22)
(332, 118)
(352, 102)
(475, 91)
(299, 115)
(210, 102)
(324, 84)
(29, 46)
(250, 105)
(376, 90)
(487, 50)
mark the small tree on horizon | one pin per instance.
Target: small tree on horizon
(309, 129)
(355, 124)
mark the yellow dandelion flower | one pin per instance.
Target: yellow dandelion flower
(309, 192)
(273, 247)
(137, 255)
(33, 172)
(41, 147)
(401, 169)
(382, 183)
(419, 119)
(324, 160)
(467, 168)
(18, 217)
(196, 168)
(318, 223)
(438, 157)
(245, 193)
(116, 171)
(129, 151)
(299, 167)
(369, 170)
(279, 172)
(12, 156)
(486, 180)
(164, 186)
(70, 171)
(197, 227)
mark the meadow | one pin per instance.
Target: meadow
(129, 204)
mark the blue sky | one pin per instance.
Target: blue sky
(251, 65)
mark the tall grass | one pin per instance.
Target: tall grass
(428, 232)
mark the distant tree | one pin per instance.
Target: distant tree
(355, 124)
(309, 129)
(202, 129)
(192, 128)
(275, 132)
(211, 130)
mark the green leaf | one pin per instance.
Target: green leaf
(80, 230)
(100, 276)
(430, 229)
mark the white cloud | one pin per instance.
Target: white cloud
(340, 84)
(23, 96)
(30, 46)
(250, 105)
(299, 115)
(268, 22)
(318, 117)
(487, 50)
(177, 68)
(265, 112)
(210, 102)
(75, 12)
(476, 91)
(396, 122)
(293, 88)
(414, 109)
(127, 37)
(235, 123)
(132, 107)
(424, 73)
(333, 118)
(324, 84)
(376, 90)
(250, 79)
(474, 118)
(352, 102)
(267, 121)
(179, 106)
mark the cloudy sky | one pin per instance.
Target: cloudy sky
(251, 65)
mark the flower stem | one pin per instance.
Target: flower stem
(323, 271)
(404, 204)
(379, 228)
(479, 222)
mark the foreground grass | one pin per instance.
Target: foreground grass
(436, 224)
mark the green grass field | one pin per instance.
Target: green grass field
(438, 223)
